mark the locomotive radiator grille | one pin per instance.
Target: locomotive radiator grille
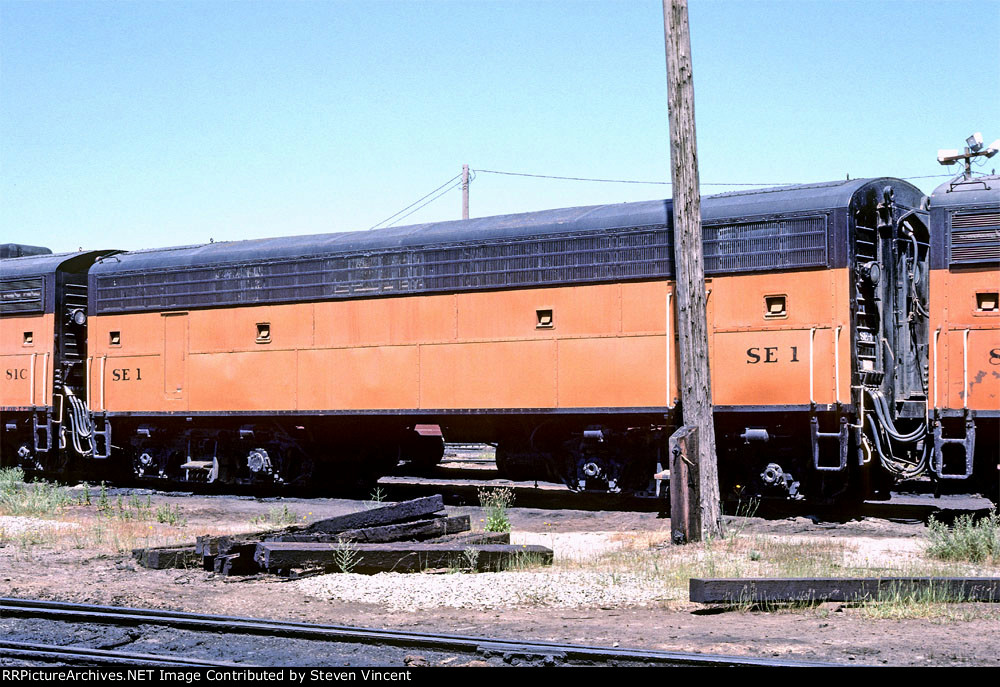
(22, 296)
(975, 237)
(610, 255)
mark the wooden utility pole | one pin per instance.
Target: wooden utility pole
(465, 191)
(689, 284)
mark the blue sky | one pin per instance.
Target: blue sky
(137, 124)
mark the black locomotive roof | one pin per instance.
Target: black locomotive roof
(796, 227)
(28, 284)
(17, 250)
(40, 265)
(772, 202)
(983, 190)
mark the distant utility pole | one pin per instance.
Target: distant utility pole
(704, 516)
(465, 191)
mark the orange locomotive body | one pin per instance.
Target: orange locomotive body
(43, 317)
(323, 360)
(316, 359)
(965, 331)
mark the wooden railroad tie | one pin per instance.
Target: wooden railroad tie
(781, 590)
(396, 557)
(373, 541)
(161, 557)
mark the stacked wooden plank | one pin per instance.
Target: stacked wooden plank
(404, 537)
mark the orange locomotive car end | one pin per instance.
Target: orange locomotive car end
(43, 348)
(964, 338)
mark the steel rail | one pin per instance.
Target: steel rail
(50, 653)
(344, 633)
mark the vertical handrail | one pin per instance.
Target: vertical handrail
(31, 381)
(89, 369)
(836, 362)
(937, 335)
(45, 378)
(812, 336)
(104, 360)
(965, 369)
(670, 295)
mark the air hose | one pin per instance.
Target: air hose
(81, 424)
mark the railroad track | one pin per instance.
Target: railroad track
(75, 655)
(479, 647)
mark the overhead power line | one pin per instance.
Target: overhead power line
(664, 183)
(614, 181)
(420, 207)
(447, 186)
(400, 212)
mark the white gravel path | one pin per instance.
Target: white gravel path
(403, 592)
(13, 525)
(556, 588)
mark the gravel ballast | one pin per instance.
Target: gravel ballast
(572, 589)
(555, 588)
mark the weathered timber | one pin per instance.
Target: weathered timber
(735, 590)
(407, 531)
(399, 512)
(374, 558)
(467, 538)
(223, 546)
(219, 562)
(161, 557)
(300, 573)
(208, 545)
(685, 508)
(689, 268)
(203, 545)
(238, 559)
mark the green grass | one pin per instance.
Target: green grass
(471, 558)
(170, 516)
(11, 480)
(967, 540)
(276, 517)
(345, 556)
(521, 561)
(495, 503)
(37, 499)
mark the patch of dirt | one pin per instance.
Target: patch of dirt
(84, 569)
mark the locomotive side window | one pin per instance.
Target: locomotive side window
(29, 338)
(988, 302)
(774, 307)
(114, 338)
(543, 319)
(263, 332)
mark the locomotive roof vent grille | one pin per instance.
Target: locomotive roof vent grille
(975, 237)
(772, 244)
(22, 296)
(636, 253)
(600, 256)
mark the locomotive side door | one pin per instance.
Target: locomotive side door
(175, 347)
